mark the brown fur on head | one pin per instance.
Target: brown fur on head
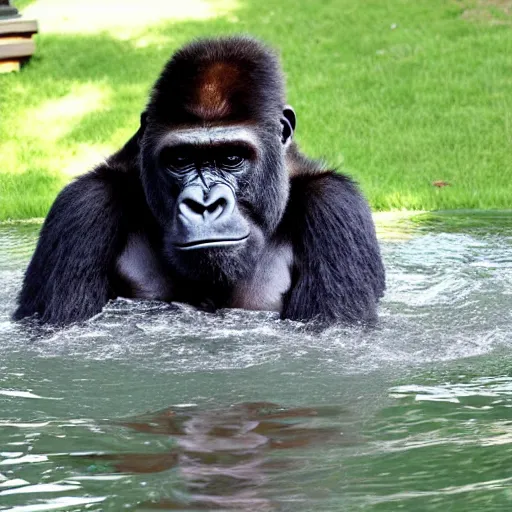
(235, 79)
(215, 86)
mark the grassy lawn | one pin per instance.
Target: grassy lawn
(396, 93)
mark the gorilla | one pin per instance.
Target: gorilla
(210, 203)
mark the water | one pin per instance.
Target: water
(150, 408)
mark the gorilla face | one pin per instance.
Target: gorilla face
(209, 177)
(218, 192)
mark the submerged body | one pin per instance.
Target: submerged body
(212, 204)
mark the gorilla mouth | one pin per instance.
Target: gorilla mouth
(211, 243)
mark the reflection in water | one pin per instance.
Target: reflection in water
(223, 455)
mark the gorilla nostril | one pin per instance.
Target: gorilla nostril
(194, 206)
(220, 203)
(197, 206)
(216, 208)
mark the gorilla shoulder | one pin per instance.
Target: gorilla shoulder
(339, 275)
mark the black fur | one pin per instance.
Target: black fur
(337, 273)
(71, 275)
(339, 276)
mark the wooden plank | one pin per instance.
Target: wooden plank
(7, 66)
(13, 39)
(18, 48)
(18, 26)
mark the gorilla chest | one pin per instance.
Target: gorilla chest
(270, 281)
(142, 275)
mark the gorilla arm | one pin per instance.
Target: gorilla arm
(338, 274)
(68, 277)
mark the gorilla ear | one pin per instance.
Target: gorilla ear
(288, 121)
(142, 128)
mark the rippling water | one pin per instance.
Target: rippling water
(149, 407)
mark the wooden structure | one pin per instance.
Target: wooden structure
(16, 42)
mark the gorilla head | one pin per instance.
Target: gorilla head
(213, 143)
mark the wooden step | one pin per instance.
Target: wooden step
(14, 47)
(16, 42)
(17, 26)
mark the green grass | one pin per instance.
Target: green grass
(396, 93)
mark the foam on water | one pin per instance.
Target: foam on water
(448, 296)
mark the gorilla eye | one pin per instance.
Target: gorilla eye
(179, 161)
(230, 161)
(176, 158)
